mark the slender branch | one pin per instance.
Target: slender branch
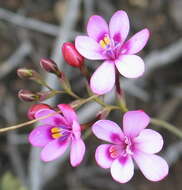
(167, 126)
(27, 123)
(44, 117)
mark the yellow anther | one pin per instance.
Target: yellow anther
(56, 135)
(55, 130)
(106, 40)
(102, 43)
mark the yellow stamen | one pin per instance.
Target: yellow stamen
(55, 130)
(102, 43)
(106, 40)
(56, 135)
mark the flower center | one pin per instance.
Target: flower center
(115, 151)
(111, 48)
(60, 132)
(123, 149)
(56, 132)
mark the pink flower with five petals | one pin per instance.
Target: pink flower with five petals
(57, 133)
(108, 43)
(133, 143)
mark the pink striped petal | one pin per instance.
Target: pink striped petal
(40, 136)
(153, 167)
(54, 120)
(130, 66)
(102, 156)
(148, 141)
(119, 26)
(68, 113)
(134, 122)
(122, 169)
(137, 42)
(108, 130)
(89, 48)
(103, 79)
(97, 27)
(77, 151)
(54, 149)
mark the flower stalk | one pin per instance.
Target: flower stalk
(120, 94)
(171, 128)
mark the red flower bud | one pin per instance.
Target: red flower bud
(27, 96)
(71, 55)
(50, 66)
(36, 107)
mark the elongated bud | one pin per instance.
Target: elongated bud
(27, 96)
(26, 73)
(50, 66)
(71, 55)
(35, 108)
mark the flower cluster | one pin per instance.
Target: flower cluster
(60, 127)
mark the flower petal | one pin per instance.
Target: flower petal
(119, 26)
(137, 42)
(40, 136)
(134, 122)
(103, 79)
(54, 120)
(54, 149)
(148, 141)
(77, 151)
(68, 113)
(76, 129)
(122, 169)
(89, 48)
(130, 66)
(102, 156)
(108, 130)
(153, 167)
(97, 27)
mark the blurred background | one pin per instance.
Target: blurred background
(33, 29)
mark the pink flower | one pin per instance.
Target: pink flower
(57, 133)
(108, 43)
(134, 142)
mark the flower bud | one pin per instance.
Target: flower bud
(27, 96)
(36, 107)
(26, 73)
(50, 66)
(71, 55)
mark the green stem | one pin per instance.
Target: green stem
(167, 126)
(120, 94)
(69, 91)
